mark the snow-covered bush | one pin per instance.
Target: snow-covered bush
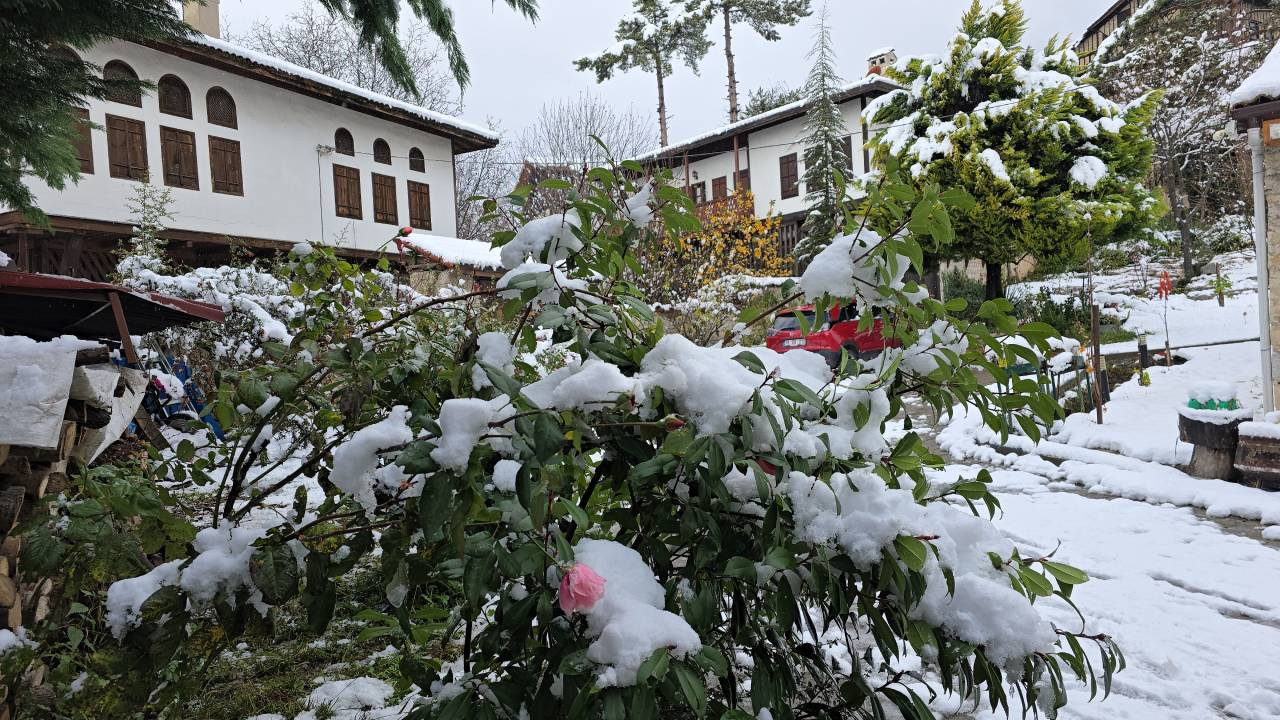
(655, 529)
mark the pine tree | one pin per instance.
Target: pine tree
(763, 16)
(825, 161)
(1194, 52)
(764, 99)
(1053, 165)
(654, 34)
(42, 84)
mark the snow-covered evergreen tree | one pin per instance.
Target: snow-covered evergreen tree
(1195, 52)
(825, 160)
(1054, 166)
(656, 32)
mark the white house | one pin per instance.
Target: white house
(765, 154)
(257, 152)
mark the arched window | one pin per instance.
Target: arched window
(381, 151)
(220, 108)
(126, 90)
(416, 161)
(343, 143)
(175, 98)
(62, 52)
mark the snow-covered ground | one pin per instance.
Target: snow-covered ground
(1195, 609)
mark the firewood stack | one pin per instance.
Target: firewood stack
(27, 474)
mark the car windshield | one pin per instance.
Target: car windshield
(790, 321)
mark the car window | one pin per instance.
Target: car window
(789, 321)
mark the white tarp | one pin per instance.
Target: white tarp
(35, 380)
(122, 411)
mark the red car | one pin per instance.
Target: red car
(838, 332)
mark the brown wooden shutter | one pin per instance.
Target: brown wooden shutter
(84, 141)
(224, 166)
(789, 174)
(698, 191)
(744, 179)
(420, 205)
(346, 192)
(178, 153)
(384, 199)
(846, 144)
(127, 148)
(720, 188)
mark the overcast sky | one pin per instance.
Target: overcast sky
(516, 66)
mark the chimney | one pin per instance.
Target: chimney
(880, 59)
(203, 18)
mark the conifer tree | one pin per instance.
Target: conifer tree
(825, 161)
(42, 83)
(763, 16)
(656, 32)
(1054, 166)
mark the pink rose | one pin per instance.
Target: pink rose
(580, 589)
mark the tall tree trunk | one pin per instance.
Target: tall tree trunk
(995, 280)
(662, 104)
(733, 76)
(1184, 228)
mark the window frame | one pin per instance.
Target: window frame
(171, 140)
(698, 192)
(173, 83)
(208, 106)
(720, 188)
(214, 153)
(381, 151)
(83, 143)
(136, 173)
(789, 175)
(351, 211)
(382, 212)
(134, 99)
(415, 189)
(417, 161)
(349, 147)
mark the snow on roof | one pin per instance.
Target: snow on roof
(376, 98)
(1262, 84)
(457, 251)
(882, 51)
(850, 90)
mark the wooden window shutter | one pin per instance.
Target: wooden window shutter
(698, 191)
(346, 192)
(175, 98)
(122, 79)
(224, 166)
(789, 174)
(127, 148)
(720, 188)
(178, 153)
(381, 152)
(84, 141)
(420, 205)
(744, 179)
(846, 144)
(417, 162)
(220, 108)
(384, 199)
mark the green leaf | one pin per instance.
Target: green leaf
(1034, 582)
(911, 551)
(797, 392)
(780, 557)
(741, 568)
(547, 437)
(655, 666)
(434, 506)
(1066, 574)
(748, 359)
(274, 571)
(691, 686)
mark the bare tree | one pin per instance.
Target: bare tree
(563, 132)
(483, 173)
(314, 39)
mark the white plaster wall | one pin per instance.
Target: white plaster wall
(288, 193)
(709, 168)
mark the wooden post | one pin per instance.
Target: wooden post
(737, 170)
(1095, 332)
(1144, 355)
(131, 354)
(687, 185)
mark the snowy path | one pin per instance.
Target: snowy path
(1195, 608)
